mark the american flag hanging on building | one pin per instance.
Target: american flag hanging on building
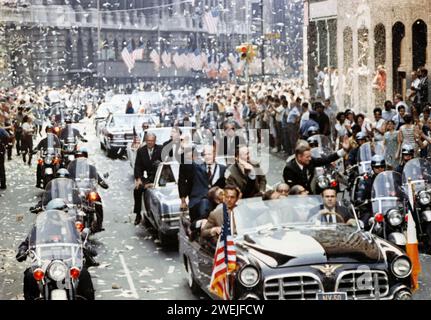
(224, 259)
(127, 56)
(211, 20)
(138, 53)
(155, 58)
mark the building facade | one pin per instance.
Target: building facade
(357, 36)
(56, 42)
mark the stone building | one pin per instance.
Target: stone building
(356, 36)
(55, 42)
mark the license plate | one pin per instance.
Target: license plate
(48, 171)
(329, 296)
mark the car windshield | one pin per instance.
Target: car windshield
(254, 213)
(130, 121)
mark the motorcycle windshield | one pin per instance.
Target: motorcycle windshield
(50, 143)
(418, 172)
(55, 237)
(61, 188)
(82, 173)
(386, 193)
(365, 153)
(70, 137)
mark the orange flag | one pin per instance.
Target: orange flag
(413, 251)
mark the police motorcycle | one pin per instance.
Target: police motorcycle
(86, 181)
(49, 160)
(416, 181)
(363, 166)
(69, 144)
(56, 250)
(324, 176)
(388, 219)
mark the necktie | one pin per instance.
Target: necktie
(209, 173)
(150, 152)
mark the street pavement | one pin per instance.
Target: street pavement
(132, 263)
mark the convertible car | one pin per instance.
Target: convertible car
(118, 131)
(285, 251)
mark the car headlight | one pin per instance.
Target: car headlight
(424, 198)
(249, 276)
(57, 270)
(401, 267)
(322, 182)
(395, 217)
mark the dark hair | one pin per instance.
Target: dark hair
(232, 187)
(339, 114)
(391, 121)
(305, 105)
(359, 116)
(388, 102)
(329, 188)
(267, 195)
(401, 107)
(408, 118)
(379, 110)
(295, 190)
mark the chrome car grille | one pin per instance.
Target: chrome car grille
(363, 284)
(292, 287)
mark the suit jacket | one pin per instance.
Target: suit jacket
(341, 210)
(168, 153)
(293, 175)
(143, 163)
(193, 181)
(249, 188)
(215, 219)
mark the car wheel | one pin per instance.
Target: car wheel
(164, 239)
(102, 146)
(146, 221)
(191, 279)
(109, 153)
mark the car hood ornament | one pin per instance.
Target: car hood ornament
(327, 269)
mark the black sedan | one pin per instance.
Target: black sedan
(285, 251)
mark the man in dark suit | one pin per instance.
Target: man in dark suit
(147, 158)
(300, 170)
(330, 211)
(196, 179)
(231, 140)
(171, 149)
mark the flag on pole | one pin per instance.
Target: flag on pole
(127, 56)
(138, 53)
(224, 259)
(155, 58)
(211, 20)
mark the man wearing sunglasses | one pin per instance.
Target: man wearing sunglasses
(365, 185)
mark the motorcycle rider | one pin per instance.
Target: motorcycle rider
(407, 153)
(31, 288)
(43, 145)
(361, 138)
(75, 132)
(365, 186)
(83, 153)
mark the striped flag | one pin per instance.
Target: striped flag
(155, 58)
(166, 58)
(211, 20)
(127, 56)
(224, 259)
(138, 53)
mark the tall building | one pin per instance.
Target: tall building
(56, 42)
(357, 36)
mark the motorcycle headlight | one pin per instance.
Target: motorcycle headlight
(48, 160)
(401, 267)
(57, 271)
(322, 182)
(424, 198)
(395, 217)
(249, 276)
